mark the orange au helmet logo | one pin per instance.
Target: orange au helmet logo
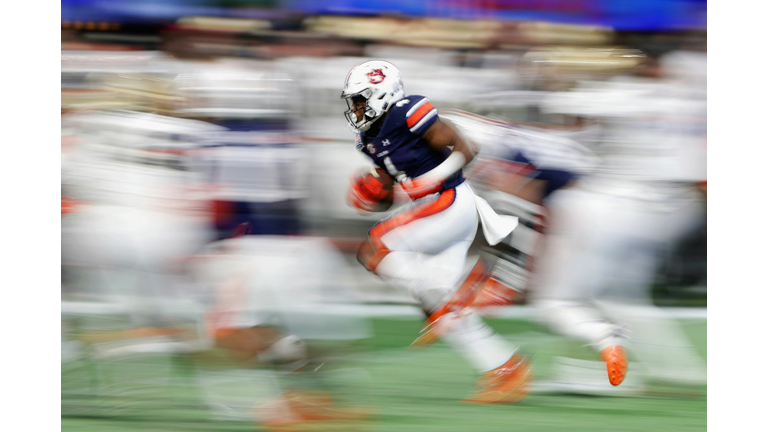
(376, 76)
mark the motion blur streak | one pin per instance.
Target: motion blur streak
(209, 272)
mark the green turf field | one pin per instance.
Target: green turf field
(404, 390)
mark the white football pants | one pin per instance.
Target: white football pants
(428, 243)
(592, 281)
(127, 255)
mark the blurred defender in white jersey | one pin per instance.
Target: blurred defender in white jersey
(607, 212)
(141, 229)
(141, 207)
(270, 306)
(606, 235)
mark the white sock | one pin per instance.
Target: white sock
(469, 336)
(483, 348)
(581, 322)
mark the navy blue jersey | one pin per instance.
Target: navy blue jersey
(400, 148)
(554, 178)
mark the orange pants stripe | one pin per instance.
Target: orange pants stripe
(379, 230)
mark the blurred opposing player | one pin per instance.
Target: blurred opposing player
(423, 247)
(605, 236)
(517, 169)
(269, 308)
(141, 206)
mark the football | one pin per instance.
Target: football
(377, 185)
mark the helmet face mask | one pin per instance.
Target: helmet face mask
(356, 103)
(379, 84)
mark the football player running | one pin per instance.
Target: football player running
(607, 237)
(423, 247)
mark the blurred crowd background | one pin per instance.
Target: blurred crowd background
(188, 122)
(272, 70)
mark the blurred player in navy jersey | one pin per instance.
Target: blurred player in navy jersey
(517, 169)
(423, 247)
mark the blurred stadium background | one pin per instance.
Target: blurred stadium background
(231, 110)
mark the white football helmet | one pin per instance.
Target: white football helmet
(380, 83)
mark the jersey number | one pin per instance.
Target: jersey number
(392, 170)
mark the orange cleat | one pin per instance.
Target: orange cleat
(507, 384)
(495, 293)
(616, 363)
(306, 411)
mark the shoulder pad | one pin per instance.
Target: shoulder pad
(417, 112)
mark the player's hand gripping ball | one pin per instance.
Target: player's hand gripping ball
(371, 190)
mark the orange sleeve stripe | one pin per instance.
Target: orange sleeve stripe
(419, 114)
(443, 202)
